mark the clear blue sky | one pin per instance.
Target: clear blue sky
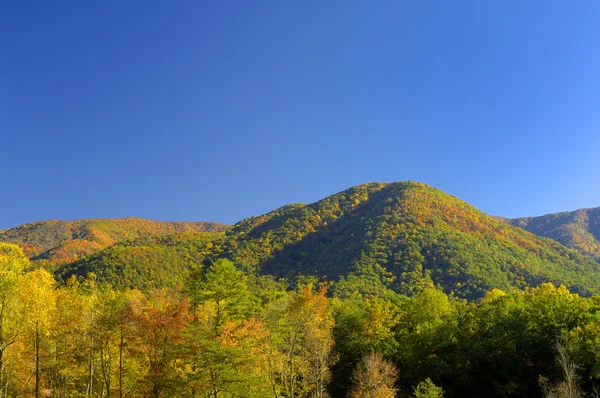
(220, 110)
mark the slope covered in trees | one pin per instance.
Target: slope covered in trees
(145, 263)
(579, 229)
(391, 317)
(412, 232)
(400, 236)
(59, 242)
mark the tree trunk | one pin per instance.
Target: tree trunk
(121, 366)
(90, 386)
(105, 365)
(2, 392)
(37, 359)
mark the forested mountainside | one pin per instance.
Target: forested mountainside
(58, 242)
(399, 285)
(402, 236)
(579, 229)
(411, 230)
(146, 263)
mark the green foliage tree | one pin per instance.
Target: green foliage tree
(225, 288)
(427, 389)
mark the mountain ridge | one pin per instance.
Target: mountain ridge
(404, 234)
(408, 228)
(53, 242)
(408, 234)
(578, 229)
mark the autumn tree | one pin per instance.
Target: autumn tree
(110, 331)
(160, 323)
(306, 343)
(38, 298)
(68, 335)
(225, 344)
(12, 263)
(568, 387)
(374, 377)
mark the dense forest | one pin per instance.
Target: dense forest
(382, 290)
(51, 243)
(410, 231)
(228, 333)
(579, 229)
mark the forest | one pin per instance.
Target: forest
(228, 332)
(381, 290)
(409, 229)
(223, 199)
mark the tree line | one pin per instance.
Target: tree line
(228, 333)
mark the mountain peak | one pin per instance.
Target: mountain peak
(413, 231)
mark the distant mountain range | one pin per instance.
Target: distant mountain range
(579, 229)
(377, 236)
(59, 242)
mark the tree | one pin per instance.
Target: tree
(38, 299)
(110, 332)
(224, 287)
(12, 263)
(568, 387)
(427, 331)
(231, 363)
(306, 344)
(160, 323)
(362, 326)
(224, 344)
(427, 389)
(68, 331)
(374, 377)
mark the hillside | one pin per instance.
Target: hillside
(58, 242)
(579, 229)
(401, 235)
(149, 262)
(414, 231)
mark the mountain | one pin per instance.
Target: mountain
(579, 229)
(150, 262)
(57, 242)
(398, 235)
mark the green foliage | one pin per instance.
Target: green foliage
(523, 328)
(225, 287)
(427, 389)
(374, 239)
(405, 237)
(231, 333)
(418, 281)
(145, 263)
(51, 243)
(578, 229)
(362, 326)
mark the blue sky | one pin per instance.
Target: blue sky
(216, 111)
